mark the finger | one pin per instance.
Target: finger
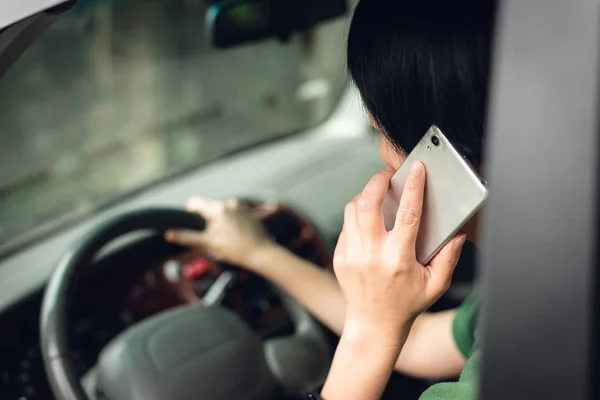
(408, 217)
(443, 264)
(232, 204)
(208, 208)
(368, 206)
(185, 237)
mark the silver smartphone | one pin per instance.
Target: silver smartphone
(454, 192)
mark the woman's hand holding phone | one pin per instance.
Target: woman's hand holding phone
(385, 287)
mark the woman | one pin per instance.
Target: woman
(415, 63)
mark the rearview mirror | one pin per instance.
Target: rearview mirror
(235, 22)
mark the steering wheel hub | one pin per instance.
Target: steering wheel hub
(186, 353)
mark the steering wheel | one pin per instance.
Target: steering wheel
(185, 353)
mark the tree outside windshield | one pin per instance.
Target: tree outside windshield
(118, 95)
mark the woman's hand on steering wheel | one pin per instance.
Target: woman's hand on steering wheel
(231, 235)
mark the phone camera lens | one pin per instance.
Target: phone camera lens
(435, 140)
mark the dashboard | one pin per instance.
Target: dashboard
(139, 280)
(316, 172)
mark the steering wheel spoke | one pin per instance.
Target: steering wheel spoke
(218, 290)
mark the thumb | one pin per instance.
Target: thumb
(185, 237)
(208, 208)
(443, 264)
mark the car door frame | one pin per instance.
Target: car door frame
(538, 271)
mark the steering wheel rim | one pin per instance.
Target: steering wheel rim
(54, 319)
(280, 353)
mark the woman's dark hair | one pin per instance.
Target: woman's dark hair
(423, 62)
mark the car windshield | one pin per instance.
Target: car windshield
(118, 95)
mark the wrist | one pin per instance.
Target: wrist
(376, 333)
(363, 359)
(261, 255)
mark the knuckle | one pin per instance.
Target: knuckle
(370, 264)
(360, 260)
(349, 208)
(397, 268)
(231, 204)
(220, 208)
(408, 217)
(340, 260)
(365, 204)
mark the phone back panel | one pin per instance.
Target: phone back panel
(453, 193)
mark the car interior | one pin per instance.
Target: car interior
(140, 105)
(114, 113)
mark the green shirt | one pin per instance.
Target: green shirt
(463, 328)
